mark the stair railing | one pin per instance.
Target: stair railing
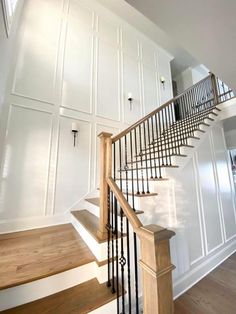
(129, 161)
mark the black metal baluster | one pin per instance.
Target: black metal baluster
(140, 149)
(136, 154)
(108, 227)
(146, 157)
(171, 131)
(116, 255)
(169, 145)
(151, 142)
(134, 234)
(127, 230)
(160, 142)
(155, 145)
(122, 260)
(158, 146)
(113, 232)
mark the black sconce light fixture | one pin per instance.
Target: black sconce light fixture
(74, 130)
(130, 99)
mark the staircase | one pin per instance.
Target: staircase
(110, 224)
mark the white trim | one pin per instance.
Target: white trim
(195, 275)
(28, 223)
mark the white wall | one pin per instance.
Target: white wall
(230, 132)
(6, 57)
(190, 76)
(75, 61)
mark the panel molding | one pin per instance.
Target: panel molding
(199, 207)
(89, 160)
(19, 106)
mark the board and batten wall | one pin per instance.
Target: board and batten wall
(198, 203)
(73, 61)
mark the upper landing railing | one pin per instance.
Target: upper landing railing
(129, 162)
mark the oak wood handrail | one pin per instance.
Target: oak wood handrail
(133, 126)
(128, 211)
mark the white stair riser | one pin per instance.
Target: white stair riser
(99, 250)
(41, 288)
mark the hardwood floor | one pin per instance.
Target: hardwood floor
(77, 300)
(214, 294)
(29, 255)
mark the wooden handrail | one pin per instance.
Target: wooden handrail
(128, 211)
(133, 126)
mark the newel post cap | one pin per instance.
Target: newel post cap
(157, 232)
(105, 135)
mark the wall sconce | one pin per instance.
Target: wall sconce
(74, 130)
(130, 99)
(163, 80)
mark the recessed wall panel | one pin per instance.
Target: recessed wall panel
(73, 170)
(209, 196)
(150, 89)
(77, 74)
(108, 30)
(25, 164)
(131, 84)
(37, 54)
(107, 84)
(226, 193)
(188, 210)
(129, 43)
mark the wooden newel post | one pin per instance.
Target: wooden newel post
(214, 89)
(156, 269)
(105, 172)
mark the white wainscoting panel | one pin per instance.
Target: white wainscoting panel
(24, 176)
(148, 53)
(37, 54)
(130, 43)
(108, 99)
(150, 89)
(131, 84)
(225, 187)
(163, 67)
(212, 219)
(188, 211)
(108, 30)
(78, 60)
(73, 60)
(73, 169)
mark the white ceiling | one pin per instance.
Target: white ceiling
(205, 28)
(182, 59)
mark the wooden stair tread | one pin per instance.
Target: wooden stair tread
(30, 255)
(156, 157)
(137, 212)
(139, 179)
(81, 299)
(141, 194)
(95, 200)
(144, 168)
(90, 223)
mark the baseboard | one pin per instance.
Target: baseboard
(188, 280)
(14, 225)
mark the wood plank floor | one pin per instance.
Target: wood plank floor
(214, 294)
(29, 255)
